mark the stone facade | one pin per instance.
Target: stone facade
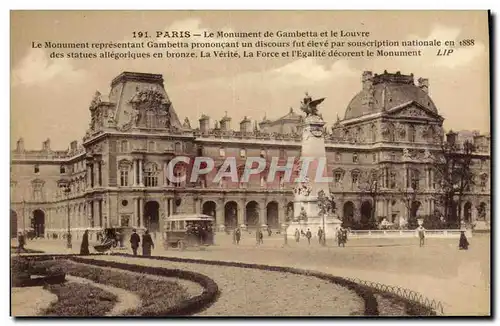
(118, 175)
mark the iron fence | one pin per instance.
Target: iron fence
(407, 294)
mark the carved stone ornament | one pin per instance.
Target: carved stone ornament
(406, 154)
(401, 130)
(96, 100)
(316, 131)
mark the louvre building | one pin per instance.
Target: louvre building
(116, 176)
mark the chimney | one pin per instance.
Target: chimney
(46, 145)
(225, 123)
(423, 84)
(246, 125)
(20, 145)
(204, 123)
(73, 145)
(366, 80)
(451, 137)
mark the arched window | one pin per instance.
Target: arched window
(151, 175)
(124, 168)
(124, 146)
(355, 178)
(415, 179)
(150, 119)
(412, 134)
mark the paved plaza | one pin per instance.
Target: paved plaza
(439, 271)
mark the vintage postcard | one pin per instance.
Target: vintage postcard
(250, 163)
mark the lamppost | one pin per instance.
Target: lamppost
(67, 190)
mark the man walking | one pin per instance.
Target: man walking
(134, 241)
(147, 244)
(421, 235)
(21, 242)
(320, 235)
(308, 236)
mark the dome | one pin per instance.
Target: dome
(386, 91)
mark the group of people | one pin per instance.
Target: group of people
(200, 233)
(341, 236)
(135, 240)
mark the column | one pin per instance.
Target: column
(89, 172)
(141, 180)
(165, 175)
(473, 213)
(141, 221)
(136, 212)
(99, 173)
(241, 212)
(134, 172)
(262, 213)
(219, 213)
(281, 212)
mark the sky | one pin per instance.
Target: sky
(50, 97)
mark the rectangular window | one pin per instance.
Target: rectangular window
(124, 178)
(338, 157)
(355, 178)
(374, 157)
(37, 168)
(355, 158)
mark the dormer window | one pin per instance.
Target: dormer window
(62, 169)
(263, 153)
(222, 152)
(355, 158)
(243, 153)
(36, 168)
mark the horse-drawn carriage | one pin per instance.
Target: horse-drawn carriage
(110, 238)
(190, 230)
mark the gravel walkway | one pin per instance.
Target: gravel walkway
(30, 301)
(251, 292)
(126, 299)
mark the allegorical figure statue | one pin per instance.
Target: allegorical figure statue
(310, 106)
(303, 214)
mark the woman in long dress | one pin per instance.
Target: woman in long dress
(84, 248)
(147, 244)
(463, 244)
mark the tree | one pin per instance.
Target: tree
(453, 166)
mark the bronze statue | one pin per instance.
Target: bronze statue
(310, 106)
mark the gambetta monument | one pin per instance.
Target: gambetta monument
(312, 208)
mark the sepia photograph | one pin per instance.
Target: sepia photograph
(234, 163)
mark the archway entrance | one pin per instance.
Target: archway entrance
(209, 208)
(348, 213)
(415, 206)
(152, 216)
(468, 212)
(38, 223)
(252, 214)
(366, 214)
(272, 215)
(231, 214)
(13, 224)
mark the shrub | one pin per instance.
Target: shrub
(75, 299)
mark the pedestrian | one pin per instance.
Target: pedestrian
(320, 235)
(237, 236)
(257, 236)
(308, 236)
(261, 237)
(297, 235)
(147, 244)
(134, 241)
(21, 242)
(84, 247)
(421, 235)
(463, 244)
(341, 236)
(269, 232)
